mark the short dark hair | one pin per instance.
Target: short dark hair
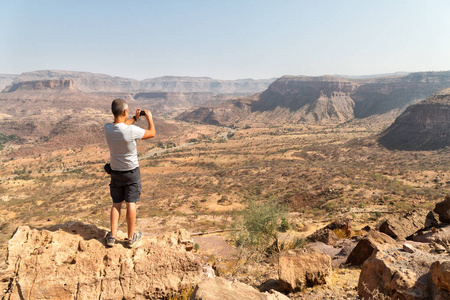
(118, 106)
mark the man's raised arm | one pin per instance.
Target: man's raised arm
(150, 132)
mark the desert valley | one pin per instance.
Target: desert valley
(245, 179)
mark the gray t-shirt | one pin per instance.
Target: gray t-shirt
(121, 139)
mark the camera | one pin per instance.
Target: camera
(142, 113)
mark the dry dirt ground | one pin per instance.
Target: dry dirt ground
(200, 177)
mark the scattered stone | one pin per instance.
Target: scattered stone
(271, 284)
(366, 228)
(439, 248)
(367, 246)
(303, 268)
(399, 275)
(74, 262)
(208, 271)
(402, 227)
(220, 288)
(443, 210)
(185, 239)
(324, 235)
(440, 273)
(327, 234)
(430, 236)
(408, 248)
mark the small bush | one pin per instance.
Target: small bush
(285, 226)
(259, 224)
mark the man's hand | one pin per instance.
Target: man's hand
(150, 132)
(138, 113)
(148, 114)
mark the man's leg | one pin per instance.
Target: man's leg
(131, 218)
(114, 218)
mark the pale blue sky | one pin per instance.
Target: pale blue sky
(225, 39)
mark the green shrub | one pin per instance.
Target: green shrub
(260, 222)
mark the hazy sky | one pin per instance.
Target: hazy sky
(225, 39)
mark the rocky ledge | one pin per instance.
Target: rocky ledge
(71, 261)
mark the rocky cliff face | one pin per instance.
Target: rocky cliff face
(385, 94)
(41, 85)
(321, 99)
(423, 126)
(329, 99)
(89, 82)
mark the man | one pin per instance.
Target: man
(125, 183)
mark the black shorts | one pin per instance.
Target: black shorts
(126, 185)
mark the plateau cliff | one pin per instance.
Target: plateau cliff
(90, 82)
(329, 99)
(41, 85)
(423, 126)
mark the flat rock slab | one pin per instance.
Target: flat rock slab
(222, 289)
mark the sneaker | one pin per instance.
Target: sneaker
(136, 238)
(110, 241)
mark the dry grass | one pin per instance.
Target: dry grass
(318, 172)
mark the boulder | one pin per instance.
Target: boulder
(440, 273)
(399, 275)
(220, 288)
(443, 210)
(409, 248)
(404, 226)
(367, 246)
(328, 236)
(73, 262)
(301, 268)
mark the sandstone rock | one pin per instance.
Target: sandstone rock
(408, 248)
(439, 248)
(208, 271)
(325, 235)
(440, 273)
(402, 227)
(185, 239)
(399, 275)
(443, 210)
(74, 263)
(303, 268)
(220, 288)
(367, 246)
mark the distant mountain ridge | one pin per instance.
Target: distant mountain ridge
(91, 82)
(326, 99)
